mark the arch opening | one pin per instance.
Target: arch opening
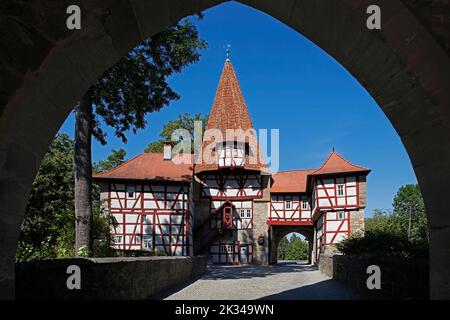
(416, 102)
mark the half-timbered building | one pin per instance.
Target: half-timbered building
(229, 205)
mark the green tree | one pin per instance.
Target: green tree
(409, 214)
(116, 158)
(132, 88)
(50, 205)
(297, 249)
(282, 246)
(184, 121)
(48, 229)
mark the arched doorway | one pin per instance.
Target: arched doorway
(47, 68)
(279, 232)
(294, 247)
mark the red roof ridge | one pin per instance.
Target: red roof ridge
(290, 170)
(343, 159)
(120, 165)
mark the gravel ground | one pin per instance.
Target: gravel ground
(286, 281)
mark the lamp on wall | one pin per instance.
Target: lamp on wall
(261, 240)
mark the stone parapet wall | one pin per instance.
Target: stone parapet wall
(401, 278)
(106, 278)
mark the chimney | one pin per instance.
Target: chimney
(167, 151)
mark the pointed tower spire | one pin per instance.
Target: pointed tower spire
(229, 111)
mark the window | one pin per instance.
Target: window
(304, 204)
(117, 239)
(130, 192)
(249, 213)
(340, 189)
(288, 204)
(148, 242)
(137, 239)
(226, 248)
(242, 213)
(341, 215)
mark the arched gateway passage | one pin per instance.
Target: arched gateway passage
(46, 69)
(279, 232)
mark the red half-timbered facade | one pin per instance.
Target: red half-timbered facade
(230, 207)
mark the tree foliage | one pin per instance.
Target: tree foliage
(184, 121)
(292, 249)
(50, 206)
(137, 84)
(48, 230)
(387, 232)
(116, 158)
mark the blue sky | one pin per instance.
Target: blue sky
(289, 84)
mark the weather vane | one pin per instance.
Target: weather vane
(228, 46)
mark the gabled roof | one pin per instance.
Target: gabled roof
(226, 203)
(229, 111)
(290, 181)
(149, 166)
(335, 163)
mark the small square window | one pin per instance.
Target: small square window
(117, 239)
(304, 204)
(340, 189)
(148, 242)
(131, 192)
(341, 215)
(137, 239)
(242, 213)
(223, 248)
(288, 204)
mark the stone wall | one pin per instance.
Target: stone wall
(106, 278)
(357, 221)
(401, 278)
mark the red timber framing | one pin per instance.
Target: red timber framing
(242, 214)
(289, 209)
(331, 228)
(337, 225)
(232, 184)
(231, 156)
(151, 216)
(326, 195)
(231, 252)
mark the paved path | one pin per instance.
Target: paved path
(285, 281)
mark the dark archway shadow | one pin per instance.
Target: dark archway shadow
(324, 290)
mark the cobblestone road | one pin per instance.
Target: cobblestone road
(288, 280)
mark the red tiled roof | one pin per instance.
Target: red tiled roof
(290, 181)
(229, 111)
(335, 163)
(149, 166)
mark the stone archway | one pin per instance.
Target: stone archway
(278, 232)
(46, 68)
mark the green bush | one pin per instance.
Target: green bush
(383, 243)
